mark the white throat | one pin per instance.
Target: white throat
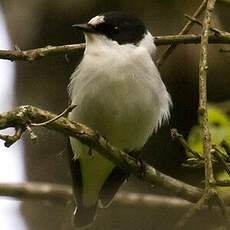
(96, 43)
(120, 81)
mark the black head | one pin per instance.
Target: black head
(117, 26)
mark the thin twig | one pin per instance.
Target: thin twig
(180, 138)
(192, 211)
(216, 153)
(33, 136)
(9, 140)
(190, 39)
(221, 153)
(224, 144)
(223, 183)
(184, 30)
(215, 30)
(222, 206)
(193, 163)
(36, 54)
(67, 110)
(197, 163)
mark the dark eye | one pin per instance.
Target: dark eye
(107, 28)
(116, 29)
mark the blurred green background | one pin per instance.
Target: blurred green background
(43, 84)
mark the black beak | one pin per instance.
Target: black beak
(85, 28)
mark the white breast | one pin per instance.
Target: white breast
(119, 92)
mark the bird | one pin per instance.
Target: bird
(119, 93)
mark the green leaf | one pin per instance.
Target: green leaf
(219, 126)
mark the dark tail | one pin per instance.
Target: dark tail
(83, 217)
(116, 178)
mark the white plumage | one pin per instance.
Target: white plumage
(119, 93)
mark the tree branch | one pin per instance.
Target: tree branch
(62, 194)
(215, 151)
(191, 212)
(37, 191)
(190, 39)
(24, 115)
(180, 138)
(36, 54)
(217, 32)
(210, 194)
(184, 30)
(203, 111)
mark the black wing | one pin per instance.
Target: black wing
(116, 178)
(83, 216)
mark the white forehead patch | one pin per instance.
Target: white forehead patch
(97, 20)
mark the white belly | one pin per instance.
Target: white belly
(124, 103)
(124, 110)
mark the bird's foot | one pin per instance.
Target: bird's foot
(142, 164)
(90, 152)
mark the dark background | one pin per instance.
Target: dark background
(43, 84)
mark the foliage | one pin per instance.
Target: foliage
(219, 126)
